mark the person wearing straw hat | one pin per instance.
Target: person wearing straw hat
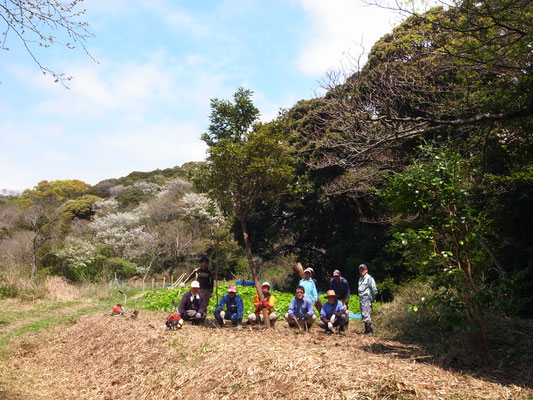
(234, 308)
(309, 286)
(333, 314)
(268, 303)
(193, 305)
(341, 287)
(367, 291)
(301, 310)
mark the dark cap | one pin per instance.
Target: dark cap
(363, 266)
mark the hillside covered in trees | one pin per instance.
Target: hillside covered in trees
(418, 164)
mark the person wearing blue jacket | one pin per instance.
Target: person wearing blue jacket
(309, 286)
(234, 308)
(333, 314)
(300, 310)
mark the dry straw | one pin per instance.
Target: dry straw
(118, 358)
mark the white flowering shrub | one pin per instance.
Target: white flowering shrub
(77, 252)
(105, 207)
(198, 206)
(148, 187)
(118, 190)
(119, 230)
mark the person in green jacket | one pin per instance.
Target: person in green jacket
(367, 291)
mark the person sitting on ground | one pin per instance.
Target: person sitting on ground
(234, 308)
(309, 286)
(333, 314)
(300, 310)
(367, 291)
(341, 287)
(267, 303)
(193, 305)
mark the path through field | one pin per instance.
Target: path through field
(101, 357)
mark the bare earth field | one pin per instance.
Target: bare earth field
(99, 357)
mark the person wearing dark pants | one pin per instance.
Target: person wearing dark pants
(333, 314)
(367, 291)
(341, 287)
(301, 311)
(193, 305)
(234, 308)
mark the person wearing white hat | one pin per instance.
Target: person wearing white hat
(309, 285)
(193, 305)
(268, 303)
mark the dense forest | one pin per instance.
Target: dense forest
(418, 164)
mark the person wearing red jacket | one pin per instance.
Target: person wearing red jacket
(268, 303)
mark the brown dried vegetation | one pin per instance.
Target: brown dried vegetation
(118, 358)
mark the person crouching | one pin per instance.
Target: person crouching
(268, 303)
(333, 314)
(193, 305)
(300, 310)
(234, 308)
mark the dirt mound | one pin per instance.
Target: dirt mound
(120, 358)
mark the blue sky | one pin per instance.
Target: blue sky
(145, 103)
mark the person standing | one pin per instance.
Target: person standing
(234, 308)
(367, 291)
(341, 287)
(309, 286)
(318, 304)
(205, 278)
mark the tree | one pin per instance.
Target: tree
(41, 217)
(441, 230)
(44, 23)
(426, 81)
(248, 162)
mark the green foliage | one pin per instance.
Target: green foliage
(81, 208)
(8, 291)
(60, 190)
(162, 300)
(132, 197)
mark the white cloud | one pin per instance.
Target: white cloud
(148, 147)
(338, 29)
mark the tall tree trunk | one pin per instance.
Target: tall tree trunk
(251, 264)
(35, 248)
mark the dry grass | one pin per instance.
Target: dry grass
(119, 358)
(57, 288)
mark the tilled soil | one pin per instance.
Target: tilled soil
(102, 357)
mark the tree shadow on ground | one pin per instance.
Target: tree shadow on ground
(509, 361)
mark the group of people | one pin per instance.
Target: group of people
(333, 313)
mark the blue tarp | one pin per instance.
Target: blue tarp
(355, 316)
(244, 283)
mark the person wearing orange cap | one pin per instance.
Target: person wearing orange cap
(234, 308)
(268, 303)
